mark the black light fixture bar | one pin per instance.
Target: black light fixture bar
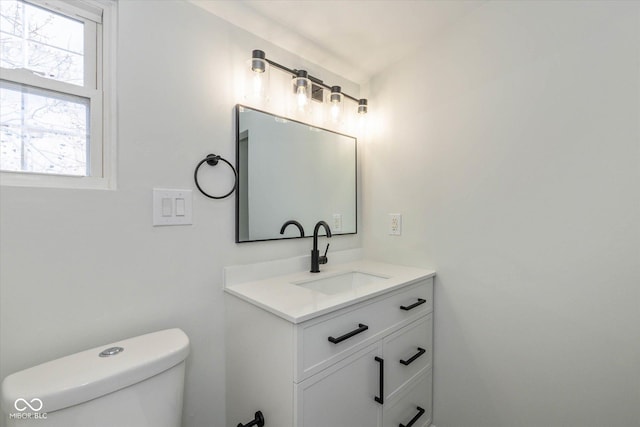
(281, 67)
(313, 79)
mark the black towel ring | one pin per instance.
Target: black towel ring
(212, 160)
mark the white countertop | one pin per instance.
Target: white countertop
(280, 296)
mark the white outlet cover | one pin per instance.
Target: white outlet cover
(395, 224)
(337, 223)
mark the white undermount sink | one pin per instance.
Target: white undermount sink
(341, 282)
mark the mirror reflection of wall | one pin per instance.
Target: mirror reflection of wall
(292, 171)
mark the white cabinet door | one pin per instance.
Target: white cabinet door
(343, 395)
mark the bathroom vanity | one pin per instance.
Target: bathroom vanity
(350, 346)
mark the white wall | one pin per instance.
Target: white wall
(81, 268)
(511, 144)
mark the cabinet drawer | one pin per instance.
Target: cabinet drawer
(325, 340)
(413, 406)
(406, 352)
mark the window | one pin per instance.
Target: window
(56, 92)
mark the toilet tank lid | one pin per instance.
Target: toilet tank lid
(84, 376)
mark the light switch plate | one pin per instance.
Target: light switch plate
(171, 207)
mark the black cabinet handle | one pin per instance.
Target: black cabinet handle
(258, 421)
(414, 305)
(420, 352)
(361, 328)
(380, 399)
(414, 419)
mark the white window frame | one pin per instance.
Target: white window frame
(99, 17)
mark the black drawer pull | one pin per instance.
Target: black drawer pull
(380, 399)
(414, 419)
(420, 352)
(361, 328)
(414, 305)
(258, 421)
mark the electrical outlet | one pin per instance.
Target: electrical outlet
(337, 223)
(395, 224)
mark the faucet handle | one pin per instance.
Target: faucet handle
(323, 259)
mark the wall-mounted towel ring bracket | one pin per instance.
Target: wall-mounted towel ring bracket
(212, 160)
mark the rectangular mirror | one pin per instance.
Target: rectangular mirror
(288, 170)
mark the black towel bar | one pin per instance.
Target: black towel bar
(212, 160)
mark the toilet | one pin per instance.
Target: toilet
(137, 382)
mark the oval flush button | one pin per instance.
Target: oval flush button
(112, 351)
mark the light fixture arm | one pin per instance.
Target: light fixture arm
(280, 67)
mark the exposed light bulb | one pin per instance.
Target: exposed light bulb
(258, 84)
(302, 90)
(301, 97)
(335, 111)
(335, 101)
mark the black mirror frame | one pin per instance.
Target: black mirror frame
(239, 170)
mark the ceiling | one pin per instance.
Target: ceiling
(353, 38)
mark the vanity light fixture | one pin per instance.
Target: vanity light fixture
(307, 87)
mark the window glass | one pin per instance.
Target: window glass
(47, 43)
(43, 131)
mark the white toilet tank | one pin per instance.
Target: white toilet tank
(139, 384)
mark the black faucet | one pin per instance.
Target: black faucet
(316, 259)
(292, 222)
